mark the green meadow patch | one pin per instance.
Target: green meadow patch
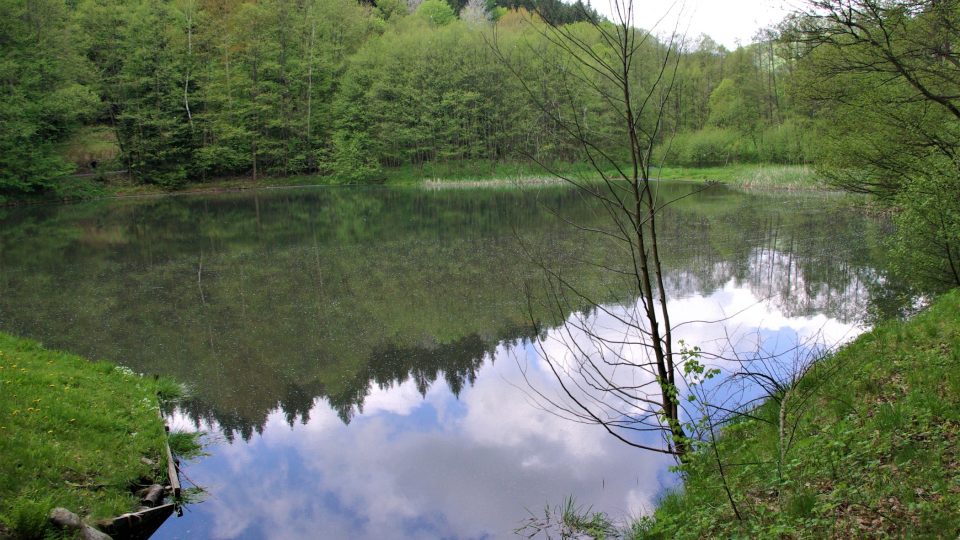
(74, 433)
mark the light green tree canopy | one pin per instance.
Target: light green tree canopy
(436, 12)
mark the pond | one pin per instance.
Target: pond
(364, 361)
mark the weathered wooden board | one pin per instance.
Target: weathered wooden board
(138, 525)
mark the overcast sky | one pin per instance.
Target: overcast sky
(726, 21)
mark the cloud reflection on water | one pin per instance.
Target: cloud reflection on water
(434, 466)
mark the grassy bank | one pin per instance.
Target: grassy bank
(73, 433)
(482, 172)
(766, 176)
(454, 174)
(874, 453)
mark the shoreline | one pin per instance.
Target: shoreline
(745, 177)
(82, 435)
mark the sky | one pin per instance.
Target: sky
(726, 21)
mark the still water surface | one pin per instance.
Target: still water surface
(355, 354)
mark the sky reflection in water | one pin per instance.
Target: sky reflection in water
(356, 354)
(437, 466)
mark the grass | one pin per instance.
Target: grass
(440, 175)
(875, 454)
(73, 434)
(484, 174)
(750, 176)
(92, 143)
(569, 520)
(127, 188)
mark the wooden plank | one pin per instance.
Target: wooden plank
(172, 470)
(171, 464)
(140, 524)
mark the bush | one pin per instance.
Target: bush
(709, 146)
(926, 246)
(784, 143)
(352, 162)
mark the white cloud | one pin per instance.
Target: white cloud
(397, 399)
(468, 467)
(727, 21)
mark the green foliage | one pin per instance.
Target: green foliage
(197, 92)
(411, 97)
(352, 159)
(192, 92)
(735, 107)
(169, 390)
(27, 517)
(42, 97)
(888, 112)
(497, 12)
(785, 143)
(436, 12)
(188, 92)
(79, 188)
(570, 520)
(707, 147)
(391, 8)
(730, 108)
(186, 444)
(557, 11)
(926, 243)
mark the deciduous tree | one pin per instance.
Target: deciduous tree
(886, 76)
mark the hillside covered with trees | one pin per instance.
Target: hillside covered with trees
(165, 92)
(284, 305)
(182, 90)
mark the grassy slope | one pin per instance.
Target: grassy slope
(72, 434)
(876, 451)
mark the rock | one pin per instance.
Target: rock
(89, 533)
(65, 519)
(147, 461)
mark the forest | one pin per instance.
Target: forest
(165, 92)
(336, 308)
(171, 91)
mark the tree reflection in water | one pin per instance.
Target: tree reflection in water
(302, 307)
